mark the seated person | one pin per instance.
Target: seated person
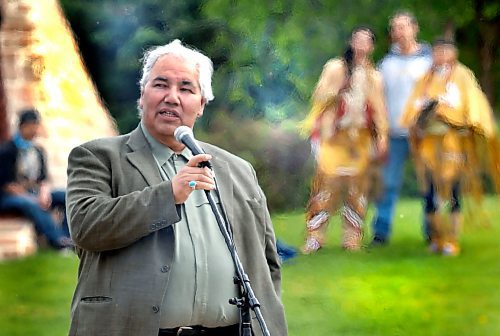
(23, 182)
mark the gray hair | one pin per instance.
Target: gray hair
(202, 63)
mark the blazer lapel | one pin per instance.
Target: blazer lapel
(225, 186)
(142, 158)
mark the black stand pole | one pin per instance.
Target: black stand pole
(248, 300)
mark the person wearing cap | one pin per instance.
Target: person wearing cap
(152, 258)
(449, 118)
(24, 186)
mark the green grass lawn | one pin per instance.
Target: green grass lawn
(400, 289)
(396, 290)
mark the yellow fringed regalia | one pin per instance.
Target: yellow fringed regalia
(452, 143)
(348, 123)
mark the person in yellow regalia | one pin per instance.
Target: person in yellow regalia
(348, 124)
(449, 117)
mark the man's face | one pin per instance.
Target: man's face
(29, 130)
(171, 98)
(402, 29)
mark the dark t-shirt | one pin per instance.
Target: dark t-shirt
(22, 166)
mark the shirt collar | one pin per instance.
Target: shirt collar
(22, 143)
(161, 152)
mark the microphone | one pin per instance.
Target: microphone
(184, 134)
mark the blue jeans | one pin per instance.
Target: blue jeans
(44, 224)
(392, 178)
(59, 201)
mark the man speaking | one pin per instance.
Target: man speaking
(152, 258)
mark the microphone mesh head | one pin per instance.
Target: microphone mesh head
(181, 131)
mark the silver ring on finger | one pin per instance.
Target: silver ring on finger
(192, 185)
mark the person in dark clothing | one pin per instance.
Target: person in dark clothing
(23, 182)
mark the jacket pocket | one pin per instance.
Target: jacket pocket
(93, 316)
(258, 212)
(96, 299)
(254, 203)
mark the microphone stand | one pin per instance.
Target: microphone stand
(184, 134)
(248, 300)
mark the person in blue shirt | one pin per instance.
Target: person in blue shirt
(407, 61)
(23, 182)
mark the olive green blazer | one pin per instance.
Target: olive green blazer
(121, 214)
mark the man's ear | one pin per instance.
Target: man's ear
(202, 108)
(139, 101)
(416, 29)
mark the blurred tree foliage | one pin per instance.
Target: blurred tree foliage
(113, 35)
(267, 57)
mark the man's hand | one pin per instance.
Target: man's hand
(44, 197)
(15, 189)
(203, 178)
